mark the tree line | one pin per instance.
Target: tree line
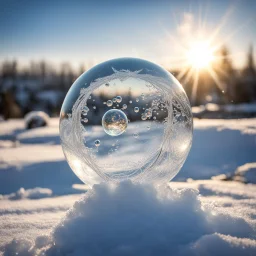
(25, 89)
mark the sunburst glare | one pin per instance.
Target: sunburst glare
(200, 50)
(200, 55)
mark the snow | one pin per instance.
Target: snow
(217, 244)
(131, 219)
(38, 188)
(39, 153)
(246, 173)
(35, 193)
(219, 146)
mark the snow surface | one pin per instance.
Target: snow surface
(34, 193)
(38, 188)
(134, 219)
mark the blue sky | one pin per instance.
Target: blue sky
(93, 31)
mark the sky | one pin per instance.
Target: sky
(89, 32)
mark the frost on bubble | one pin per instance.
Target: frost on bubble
(162, 106)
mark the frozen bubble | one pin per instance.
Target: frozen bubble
(156, 155)
(118, 99)
(94, 107)
(86, 109)
(85, 120)
(114, 122)
(143, 117)
(114, 100)
(136, 109)
(109, 103)
(97, 143)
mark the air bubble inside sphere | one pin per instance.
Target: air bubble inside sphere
(143, 132)
(114, 122)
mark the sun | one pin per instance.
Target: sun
(199, 55)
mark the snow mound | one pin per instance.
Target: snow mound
(34, 193)
(35, 119)
(246, 173)
(217, 244)
(133, 219)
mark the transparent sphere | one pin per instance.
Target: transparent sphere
(126, 119)
(114, 122)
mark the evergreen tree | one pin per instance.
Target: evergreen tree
(249, 76)
(227, 76)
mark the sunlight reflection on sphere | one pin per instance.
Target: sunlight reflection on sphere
(126, 119)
